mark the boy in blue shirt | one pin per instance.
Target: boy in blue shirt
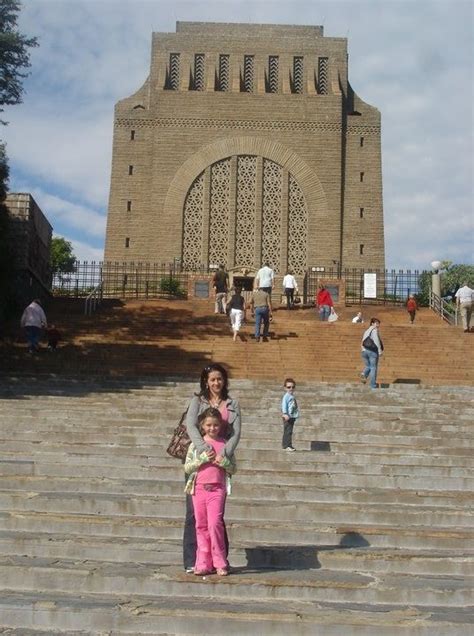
(289, 413)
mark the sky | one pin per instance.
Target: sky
(412, 59)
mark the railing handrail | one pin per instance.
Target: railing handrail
(444, 309)
(93, 299)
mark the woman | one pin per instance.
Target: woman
(324, 302)
(290, 288)
(236, 308)
(213, 393)
(371, 349)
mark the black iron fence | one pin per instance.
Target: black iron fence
(387, 286)
(152, 280)
(122, 280)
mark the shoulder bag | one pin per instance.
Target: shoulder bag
(180, 441)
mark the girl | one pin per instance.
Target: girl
(209, 483)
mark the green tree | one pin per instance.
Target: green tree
(452, 277)
(63, 260)
(14, 55)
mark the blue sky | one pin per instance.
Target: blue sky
(412, 59)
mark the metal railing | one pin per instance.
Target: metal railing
(93, 300)
(445, 310)
(393, 286)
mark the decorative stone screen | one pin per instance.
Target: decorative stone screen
(242, 211)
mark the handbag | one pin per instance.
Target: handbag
(332, 316)
(369, 344)
(297, 299)
(180, 441)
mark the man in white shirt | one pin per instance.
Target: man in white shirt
(33, 320)
(464, 301)
(264, 278)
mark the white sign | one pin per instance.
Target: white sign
(370, 285)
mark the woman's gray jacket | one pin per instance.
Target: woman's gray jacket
(197, 406)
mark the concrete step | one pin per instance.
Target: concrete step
(168, 552)
(238, 508)
(259, 532)
(270, 492)
(142, 614)
(144, 468)
(28, 574)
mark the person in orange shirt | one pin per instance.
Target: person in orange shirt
(412, 307)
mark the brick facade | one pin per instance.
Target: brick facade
(246, 143)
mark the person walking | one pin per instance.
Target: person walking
(220, 282)
(412, 307)
(290, 288)
(236, 308)
(289, 414)
(264, 278)
(261, 307)
(371, 350)
(324, 302)
(33, 320)
(464, 301)
(214, 392)
(209, 483)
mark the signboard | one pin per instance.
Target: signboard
(370, 285)
(201, 289)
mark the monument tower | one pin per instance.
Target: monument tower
(246, 144)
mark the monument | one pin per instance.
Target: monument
(246, 144)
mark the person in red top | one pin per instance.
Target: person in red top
(412, 307)
(324, 302)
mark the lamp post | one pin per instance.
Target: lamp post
(436, 279)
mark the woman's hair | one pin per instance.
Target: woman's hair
(214, 366)
(210, 412)
(374, 320)
(289, 380)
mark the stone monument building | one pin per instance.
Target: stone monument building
(246, 144)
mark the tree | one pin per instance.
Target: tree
(63, 260)
(14, 55)
(452, 278)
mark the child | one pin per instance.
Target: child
(289, 413)
(209, 484)
(412, 307)
(53, 337)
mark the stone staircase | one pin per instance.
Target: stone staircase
(180, 337)
(366, 530)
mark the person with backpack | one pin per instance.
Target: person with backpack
(371, 350)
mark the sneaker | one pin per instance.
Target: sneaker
(363, 379)
(189, 570)
(290, 449)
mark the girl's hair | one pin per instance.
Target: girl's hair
(205, 376)
(210, 412)
(374, 320)
(289, 380)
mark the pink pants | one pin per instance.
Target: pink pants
(209, 503)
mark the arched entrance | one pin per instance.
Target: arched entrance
(245, 209)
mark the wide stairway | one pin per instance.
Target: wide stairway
(166, 337)
(366, 530)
